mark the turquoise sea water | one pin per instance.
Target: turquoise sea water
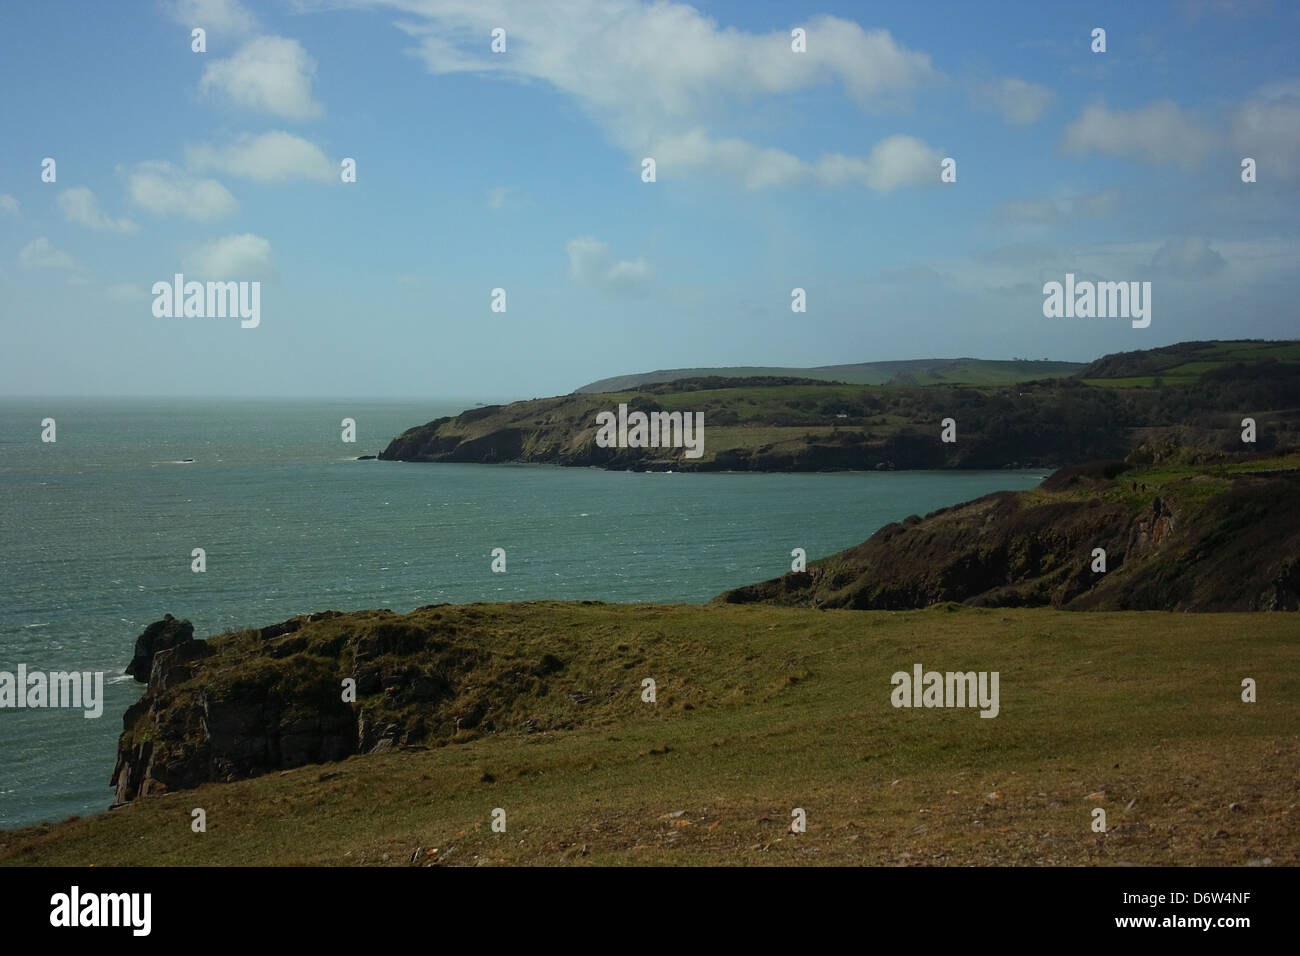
(97, 530)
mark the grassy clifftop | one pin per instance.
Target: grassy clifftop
(1209, 533)
(759, 710)
(961, 371)
(1183, 363)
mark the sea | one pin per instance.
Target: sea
(98, 531)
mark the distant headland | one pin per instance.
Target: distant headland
(928, 414)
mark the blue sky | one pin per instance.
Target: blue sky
(521, 170)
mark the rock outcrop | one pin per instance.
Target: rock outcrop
(320, 688)
(158, 636)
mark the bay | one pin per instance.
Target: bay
(97, 531)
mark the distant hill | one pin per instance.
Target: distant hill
(960, 371)
(1184, 363)
(785, 423)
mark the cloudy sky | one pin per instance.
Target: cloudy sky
(522, 170)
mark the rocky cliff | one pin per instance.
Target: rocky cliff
(157, 637)
(246, 703)
(1222, 537)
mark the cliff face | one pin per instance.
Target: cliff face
(157, 637)
(188, 729)
(1199, 542)
(558, 431)
(243, 704)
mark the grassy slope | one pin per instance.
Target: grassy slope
(764, 709)
(1217, 541)
(963, 371)
(986, 372)
(1181, 364)
(1175, 364)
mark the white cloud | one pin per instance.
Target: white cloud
(1259, 259)
(240, 258)
(41, 254)
(126, 292)
(215, 16)
(654, 75)
(1189, 258)
(894, 161)
(9, 204)
(79, 205)
(165, 190)
(754, 166)
(618, 56)
(590, 264)
(1267, 128)
(497, 196)
(268, 158)
(268, 74)
(626, 274)
(1158, 133)
(1019, 101)
(1230, 265)
(1026, 266)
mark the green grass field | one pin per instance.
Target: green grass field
(1184, 363)
(964, 371)
(763, 710)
